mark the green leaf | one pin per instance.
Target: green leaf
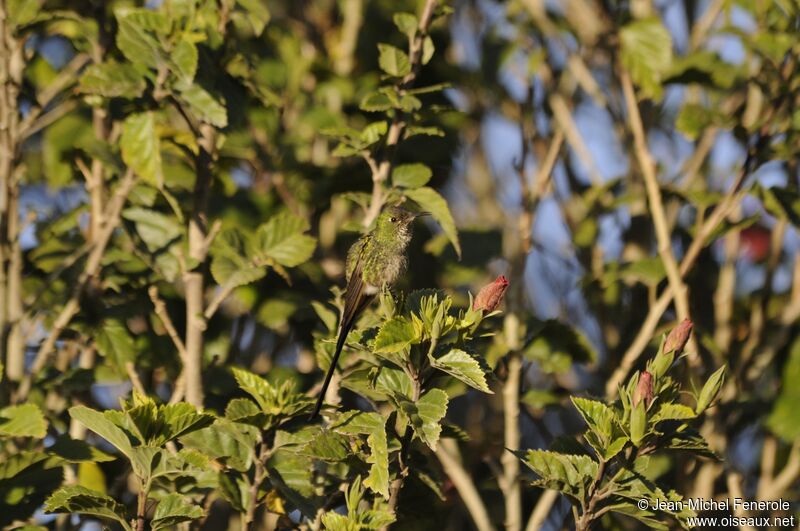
(184, 59)
(112, 79)
(374, 426)
(373, 133)
(784, 420)
(25, 420)
(393, 61)
(411, 175)
(426, 420)
(395, 335)
(137, 35)
(281, 239)
(427, 49)
(599, 417)
(230, 442)
(464, 367)
(141, 147)
(158, 231)
(782, 203)
(710, 390)
(673, 412)
(257, 14)
(556, 346)
(101, 425)
(205, 106)
(376, 102)
(115, 343)
(328, 446)
(172, 510)
(638, 423)
(80, 500)
(567, 473)
(646, 52)
(413, 130)
(430, 200)
(406, 23)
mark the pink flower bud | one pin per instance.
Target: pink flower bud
(678, 337)
(489, 297)
(644, 389)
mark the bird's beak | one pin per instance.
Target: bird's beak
(421, 214)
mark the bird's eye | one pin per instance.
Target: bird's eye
(393, 220)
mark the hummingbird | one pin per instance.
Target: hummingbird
(374, 262)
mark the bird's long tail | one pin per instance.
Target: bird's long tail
(345, 329)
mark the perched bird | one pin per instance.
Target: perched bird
(375, 261)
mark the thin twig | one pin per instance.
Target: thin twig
(91, 269)
(398, 124)
(542, 510)
(731, 198)
(446, 452)
(647, 167)
(166, 320)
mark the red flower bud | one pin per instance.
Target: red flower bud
(678, 337)
(489, 297)
(644, 389)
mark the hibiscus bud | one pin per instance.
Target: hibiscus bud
(678, 337)
(644, 390)
(489, 297)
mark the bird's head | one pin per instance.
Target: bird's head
(395, 222)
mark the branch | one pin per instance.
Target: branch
(732, 197)
(647, 166)
(90, 270)
(163, 315)
(464, 484)
(542, 510)
(380, 176)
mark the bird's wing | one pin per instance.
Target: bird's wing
(355, 297)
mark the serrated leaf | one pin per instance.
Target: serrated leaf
(393, 61)
(567, 473)
(80, 500)
(646, 52)
(205, 106)
(372, 133)
(673, 412)
(430, 200)
(282, 239)
(464, 367)
(598, 416)
(395, 335)
(374, 426)
(172, 510)
(228, 441)
(427, 414)
(141, 147)
(24, 420)
(112, 79)
(411, 175)
(376, 102)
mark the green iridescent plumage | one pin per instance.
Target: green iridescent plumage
(375, 261)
